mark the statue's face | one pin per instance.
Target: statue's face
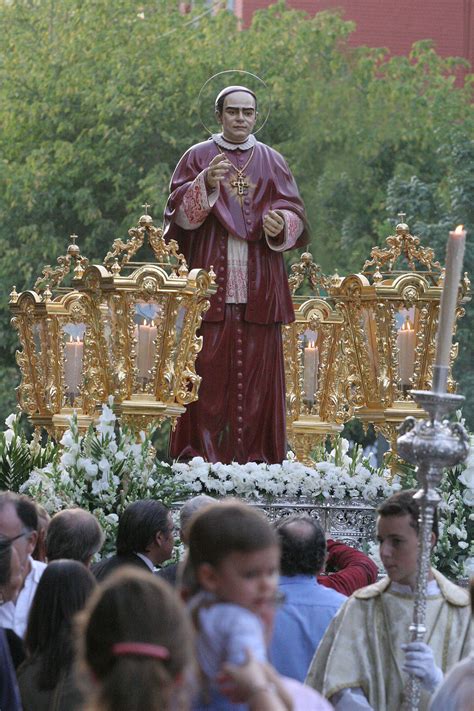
(238, 116)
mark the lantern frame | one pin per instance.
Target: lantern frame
(310, 423)
(370, 302)
(103, 299)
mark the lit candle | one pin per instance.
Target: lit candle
(449, 297)
(406, 352)
(73, 351)
(143, 349)
(311, 363)
(146, 348)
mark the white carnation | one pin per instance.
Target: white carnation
(67, 460)
(104, 465)
(67, 440)
(467, 477)
(10, 421)
(91, 468)
(179, 468)
(65, 479)
(112, 447)
(98, 486)
(468, 497)
(8, 436)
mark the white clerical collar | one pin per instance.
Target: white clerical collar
(221, 141)
(432, 588)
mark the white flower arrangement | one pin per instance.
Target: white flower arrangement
(339, 474)
(102, 471)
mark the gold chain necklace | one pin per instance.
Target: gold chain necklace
(240, 183)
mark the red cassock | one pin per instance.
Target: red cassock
(240, 414)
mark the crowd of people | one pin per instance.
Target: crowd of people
(257, 615)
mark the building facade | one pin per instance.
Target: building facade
(394, 24)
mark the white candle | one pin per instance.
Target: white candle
(146, 348)
(406, 352)
(449, 297)
(73, 351)
(143, 345)
(310, 365)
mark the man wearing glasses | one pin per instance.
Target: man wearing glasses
(19, 522)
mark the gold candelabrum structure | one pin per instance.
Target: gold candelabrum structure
(390, 314)
(315, 368)
(126, 329)
(360, 349)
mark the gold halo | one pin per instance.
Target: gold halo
(220, 75)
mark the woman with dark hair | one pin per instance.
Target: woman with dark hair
(46, 679)
(136, 645)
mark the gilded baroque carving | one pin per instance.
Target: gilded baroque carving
(53, 276)
(307, 269)
(80, 345)
(311, 417)
(402, 244)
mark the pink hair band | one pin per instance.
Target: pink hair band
(140, 649)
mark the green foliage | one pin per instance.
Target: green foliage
(99, 100)
(19, 455)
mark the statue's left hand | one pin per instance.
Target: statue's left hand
(273, 223)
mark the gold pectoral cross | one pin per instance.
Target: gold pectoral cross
(241, 185)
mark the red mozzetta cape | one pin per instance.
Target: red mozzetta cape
(271, 186)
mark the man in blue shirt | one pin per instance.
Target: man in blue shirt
(309, 607)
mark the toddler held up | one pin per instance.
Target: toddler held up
(234, 557)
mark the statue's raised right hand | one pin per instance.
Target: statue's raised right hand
(217, 170)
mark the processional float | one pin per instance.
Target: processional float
(357, 347)
(361, 345)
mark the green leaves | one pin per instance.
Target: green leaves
(15, 465)
(18, 456)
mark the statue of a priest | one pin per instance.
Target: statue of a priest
(234, 205)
